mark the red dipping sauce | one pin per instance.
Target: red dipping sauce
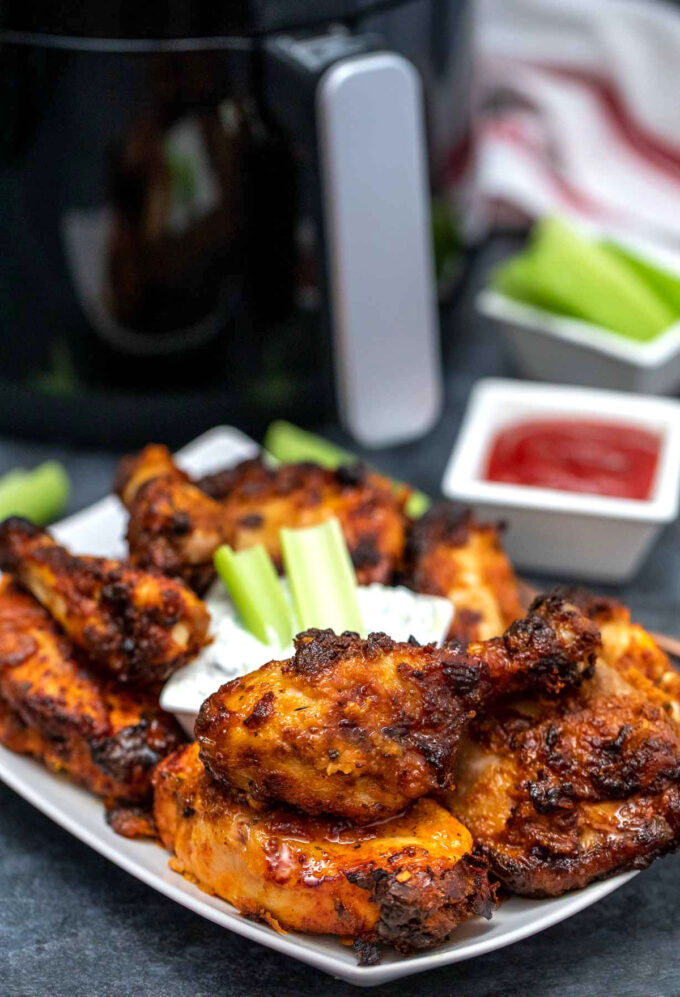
(599, 458)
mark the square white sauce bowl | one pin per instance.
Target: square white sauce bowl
(564, 533)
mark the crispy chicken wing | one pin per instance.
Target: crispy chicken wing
(359, 728)
(137, 625)
(176, 526)
(173, 526)
(407, 882)
(451, 555)
(51, 706)
(259, 500)
(630, 649)
(558, 793)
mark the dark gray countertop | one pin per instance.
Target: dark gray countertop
(72, 924)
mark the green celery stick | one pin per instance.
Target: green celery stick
(256, 591)
(417, 504)
(289, 444)
(39, 495)
(662, 281)
(515, 279)
(321, 577)
(590, 282)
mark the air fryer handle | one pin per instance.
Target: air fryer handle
(367, 106)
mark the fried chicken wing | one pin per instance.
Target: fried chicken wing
(173, 527)
(259, 500)
(407, 882)
(558, 793)
(630, 649)
(451, 555)
(154, 461)
(137, 625)
(359, 728)
(176, 526)
(51, 706)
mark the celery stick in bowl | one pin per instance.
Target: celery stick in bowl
(321, 577)
(658, 276)
(256, 591)
(571, 274)
(542, 314)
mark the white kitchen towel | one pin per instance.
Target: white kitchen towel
(578, 112)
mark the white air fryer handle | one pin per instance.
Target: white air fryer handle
(381, 278)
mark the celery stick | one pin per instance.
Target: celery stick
(665, 283)
(515, 279)
(321, 577)
(590, 282)
(39, 495)
(289, 444)
(256, 591)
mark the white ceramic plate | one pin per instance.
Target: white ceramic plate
(100, 530)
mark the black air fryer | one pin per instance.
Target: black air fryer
(220, 213)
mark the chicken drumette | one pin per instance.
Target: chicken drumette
(558, 793)
(452, 555)
(53, 707)
(139, 626)
(408, 881)
(175, 525)
(359, 728)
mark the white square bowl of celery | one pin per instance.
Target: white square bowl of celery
(546, 300)
(254, 615)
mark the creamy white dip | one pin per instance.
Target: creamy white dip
(234, 651)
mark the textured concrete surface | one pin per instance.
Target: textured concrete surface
(72, 924)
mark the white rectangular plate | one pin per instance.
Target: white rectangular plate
(100, 530)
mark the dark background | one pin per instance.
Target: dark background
(73, 924)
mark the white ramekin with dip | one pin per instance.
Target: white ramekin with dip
(585, 479)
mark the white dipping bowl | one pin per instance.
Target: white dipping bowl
(552, 347)
(566, 533)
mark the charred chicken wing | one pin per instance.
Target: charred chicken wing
(407, 882)
(51, 706)
(558, 793)
(359, 728)
(173, 526)
(137, 625)
(630, 649)
(176, 526)
(453, 556)
(259, 500)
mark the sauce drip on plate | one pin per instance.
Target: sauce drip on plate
(599, 458)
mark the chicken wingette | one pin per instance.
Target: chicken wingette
(630, 649)
(559, 792)
(359, 728)
(53, 707)
(176, 526)
(407, 882)
(173, 526)
(452, 555)
(138, 626)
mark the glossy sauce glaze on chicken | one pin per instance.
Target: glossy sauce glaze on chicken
(359, 728)
(408, 881)
(137, 626)
(560, 792)
(52, 706)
